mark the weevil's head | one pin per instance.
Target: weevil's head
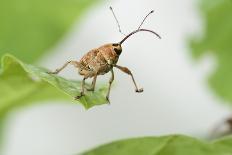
(117, 48)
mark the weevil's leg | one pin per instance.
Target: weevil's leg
(110, 83)
(82, 89)
(92, 88)
(74, 63)
(127, 71)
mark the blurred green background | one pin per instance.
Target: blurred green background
(29, 30)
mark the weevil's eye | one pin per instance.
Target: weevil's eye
(118, 51)
(115, 45)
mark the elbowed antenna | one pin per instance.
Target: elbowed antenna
(138, 30)
(152, 11)
(119, 27)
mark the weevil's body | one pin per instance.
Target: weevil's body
(102, 60)
(99, 61)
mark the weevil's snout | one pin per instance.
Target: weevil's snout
(117, 48)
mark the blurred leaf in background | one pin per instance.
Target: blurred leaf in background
(217, 40)
(29, 28)
(166, 145)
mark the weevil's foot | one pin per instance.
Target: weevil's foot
(79, 96)
(108, 100)
(55, 72)
(139, 90)
(90, 89)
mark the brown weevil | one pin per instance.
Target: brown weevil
(102, 60)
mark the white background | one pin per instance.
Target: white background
(176, 96)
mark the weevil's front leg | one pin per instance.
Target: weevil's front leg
(82, 89)
(74, 63)
(110, 83)
(92, 88)
(127, 71)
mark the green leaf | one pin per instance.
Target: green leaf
(22, 83)
(166, 145)
(36, 25)
(217, 40)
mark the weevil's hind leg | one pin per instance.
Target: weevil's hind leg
(92, 88)
(110, 83)
(82, 89)
(74, 63)
(127, 71)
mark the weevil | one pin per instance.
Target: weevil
(102, 60)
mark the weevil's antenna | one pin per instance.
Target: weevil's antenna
(116, 21)
(138, 30)
(145, 18)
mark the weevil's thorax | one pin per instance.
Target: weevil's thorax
(111, 52)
